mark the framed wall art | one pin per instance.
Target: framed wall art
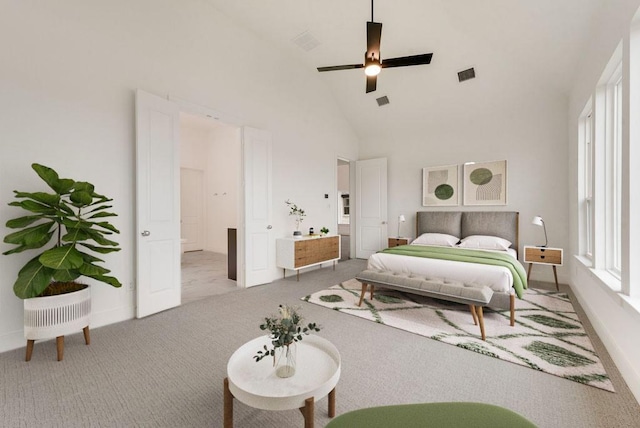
(485, 183)
(440, 186)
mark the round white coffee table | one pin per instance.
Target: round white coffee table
(256, 384)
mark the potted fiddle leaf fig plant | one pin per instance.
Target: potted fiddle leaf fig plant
(68, 227)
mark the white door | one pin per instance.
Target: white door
(371, 207)
(257, 245)
(158, 204)
(192, 208)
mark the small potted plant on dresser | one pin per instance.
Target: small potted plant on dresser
(299, 214)
(72, 218)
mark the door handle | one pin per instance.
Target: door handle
(145, 233)
(384, 222)
(269, 227)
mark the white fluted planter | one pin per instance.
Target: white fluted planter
(56, 316)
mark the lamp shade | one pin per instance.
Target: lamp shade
(538, 221)
(401, 218)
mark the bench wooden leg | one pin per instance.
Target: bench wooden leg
(512, 301)
(473, 314)
(364, 290)
(481, 321)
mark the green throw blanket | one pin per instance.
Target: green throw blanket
(468, 256)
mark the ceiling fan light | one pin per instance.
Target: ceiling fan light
(372, 67)
(372, 70)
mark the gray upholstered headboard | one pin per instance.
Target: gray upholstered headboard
(503, 224)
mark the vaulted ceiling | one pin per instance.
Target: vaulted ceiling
(539, 43)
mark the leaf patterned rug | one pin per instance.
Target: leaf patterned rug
(548, 336)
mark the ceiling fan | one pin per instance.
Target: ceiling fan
(372, 62)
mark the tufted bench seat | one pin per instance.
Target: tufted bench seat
(475, 297)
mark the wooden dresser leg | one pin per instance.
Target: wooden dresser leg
(29, 350)
(555, 275)
(87, 338)
(371, 294)
(60, 347)
(529, 271)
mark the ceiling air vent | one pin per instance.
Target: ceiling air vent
(466, 74)
(382, 101)
(306, 41)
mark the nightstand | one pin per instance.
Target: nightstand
(543, 256)
(394, 242)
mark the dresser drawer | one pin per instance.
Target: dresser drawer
(551, 256)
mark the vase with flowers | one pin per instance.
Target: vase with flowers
(299, 214)
(285, 329)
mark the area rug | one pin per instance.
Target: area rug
(548, 335)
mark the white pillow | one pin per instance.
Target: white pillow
(485, 242)
(440, 239)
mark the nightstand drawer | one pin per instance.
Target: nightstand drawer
(394, 242)
(552, 256)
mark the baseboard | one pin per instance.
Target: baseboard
(112, 316)
(626, 368)
(12, 340)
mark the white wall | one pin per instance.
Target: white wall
(615, 320)
(67, 81)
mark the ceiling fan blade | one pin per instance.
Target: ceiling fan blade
(374, 33)
(371, 83)
(340, 67)
(405, 61)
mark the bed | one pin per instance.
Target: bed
(500, 277)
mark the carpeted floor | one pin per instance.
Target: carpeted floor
(548, 335)
(167, 370)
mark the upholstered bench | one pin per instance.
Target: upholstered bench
(474, 296)
(441, 415)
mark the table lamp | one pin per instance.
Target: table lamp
(538, 221)
(401, 220)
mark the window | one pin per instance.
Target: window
(587, 133)
(614, 175)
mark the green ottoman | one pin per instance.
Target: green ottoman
(476, 415)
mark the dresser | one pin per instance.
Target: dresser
(295, 254)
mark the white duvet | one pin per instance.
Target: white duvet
(498, 278)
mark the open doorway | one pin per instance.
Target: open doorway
(344, 209)
(210, 164)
